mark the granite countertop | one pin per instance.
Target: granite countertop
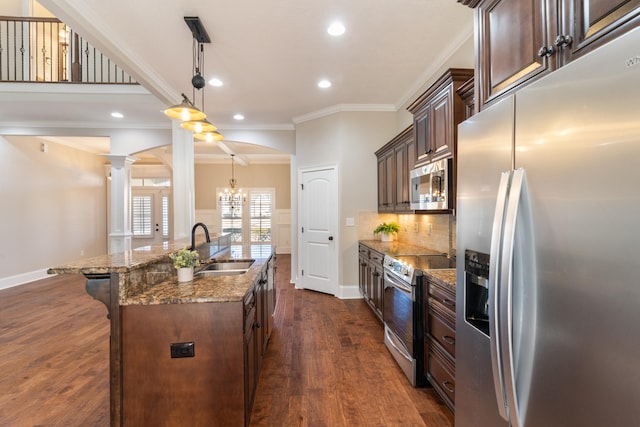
(125, 261)
(153, 260)
(445, 277)
(398, 248)
(204, 289)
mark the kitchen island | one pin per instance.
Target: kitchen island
(189, 352)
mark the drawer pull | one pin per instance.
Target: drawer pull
(448, 386)
(448, 339)
(448, 302)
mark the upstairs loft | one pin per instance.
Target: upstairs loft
(47, 50)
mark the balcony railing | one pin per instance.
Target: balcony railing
(47, 50)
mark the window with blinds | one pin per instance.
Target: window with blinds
(141, 215)
(165, 216)
(250, 222)
(231, 220)
(260, 221)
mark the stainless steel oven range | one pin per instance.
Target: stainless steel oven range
(403, 309)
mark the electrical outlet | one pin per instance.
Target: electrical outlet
(183, 349)
(428, 229)
(416, 227)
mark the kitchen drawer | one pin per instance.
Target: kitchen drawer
(376, 257)
(442, 378)
(445, 298)
(442, 332)
(363, 250)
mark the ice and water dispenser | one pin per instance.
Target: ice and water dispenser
(476, 288)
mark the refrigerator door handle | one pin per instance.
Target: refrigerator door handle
(506, 293)
(494, 286)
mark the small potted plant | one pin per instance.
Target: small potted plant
(184, 260)
(387, 230)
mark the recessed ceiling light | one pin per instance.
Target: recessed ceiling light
(216, 82)
(117, 115)
(238, 116)
(324, 84)
(336, 28)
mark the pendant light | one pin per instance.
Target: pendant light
(184, 111)
(192, 118)
(208, 136)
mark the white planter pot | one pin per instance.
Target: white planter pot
(185, 274)
(387, 237)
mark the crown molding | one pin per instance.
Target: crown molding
(340, 108)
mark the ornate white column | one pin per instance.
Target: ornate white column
(183, 183)
(120, 213)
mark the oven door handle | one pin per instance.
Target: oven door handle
(392, 281)
(402, 351)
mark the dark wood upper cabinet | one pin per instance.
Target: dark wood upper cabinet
(467, 94)
(395, 161)
(518, 41)
(436, 115)
(594, 22)
(510, 36)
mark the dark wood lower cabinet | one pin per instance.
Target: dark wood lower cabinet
(370, 278)
(214, 386)
(440, 340)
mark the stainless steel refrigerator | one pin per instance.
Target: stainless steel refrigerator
(548, 250)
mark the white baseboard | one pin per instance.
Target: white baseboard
(21, 279)
(349, 292)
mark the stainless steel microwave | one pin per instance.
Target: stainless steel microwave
(431, 186)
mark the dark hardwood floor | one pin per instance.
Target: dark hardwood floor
(326, 364)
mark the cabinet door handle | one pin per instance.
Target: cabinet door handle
(446, 384)
(448, 302)
(563, 40)
(546, 51)
(449, 339)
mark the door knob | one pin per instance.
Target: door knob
(330, 237)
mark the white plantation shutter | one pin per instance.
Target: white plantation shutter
(165, 216)
(141, 215)
(260, 203)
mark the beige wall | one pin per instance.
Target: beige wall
(208, 177)
(348, 140)
(53, 206)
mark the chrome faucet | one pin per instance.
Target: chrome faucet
(193, 234)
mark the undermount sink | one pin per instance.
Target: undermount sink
(226, 268)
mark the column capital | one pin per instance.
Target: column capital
(119, 161)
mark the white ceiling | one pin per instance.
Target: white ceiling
(270, 55)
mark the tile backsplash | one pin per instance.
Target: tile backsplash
(436, 231)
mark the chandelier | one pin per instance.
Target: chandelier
(192, 118)
(233, 196)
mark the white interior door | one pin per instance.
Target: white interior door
(318, 196)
